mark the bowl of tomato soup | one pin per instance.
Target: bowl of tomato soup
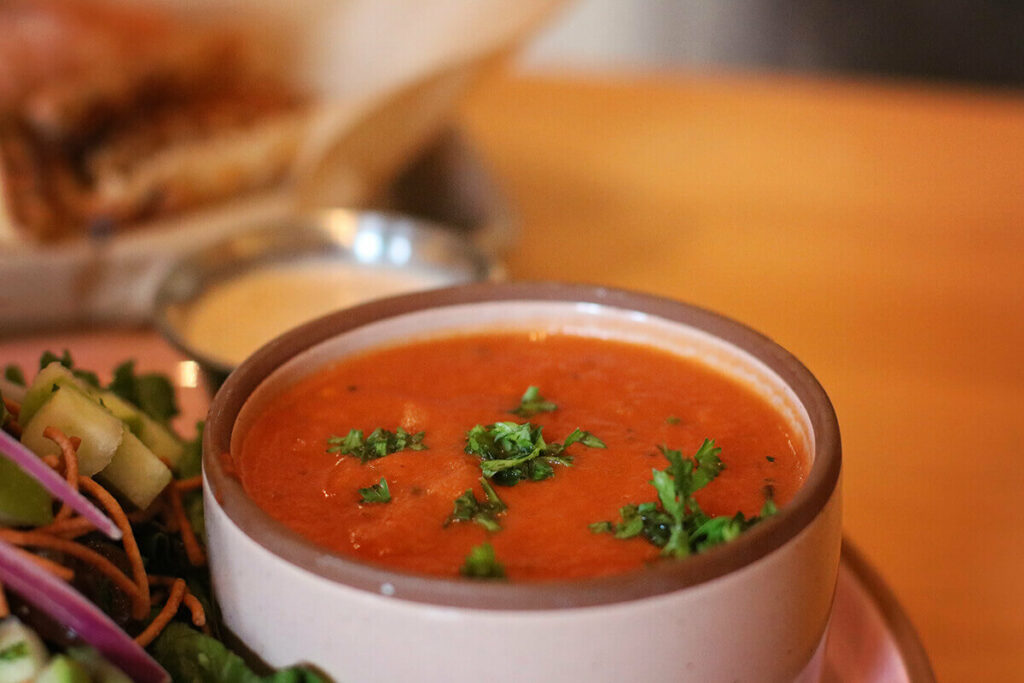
(526, 481)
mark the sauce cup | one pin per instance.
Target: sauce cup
(221, 302)
(754, 609)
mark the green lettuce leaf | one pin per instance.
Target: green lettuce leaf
(191, 657)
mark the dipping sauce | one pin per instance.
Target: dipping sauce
(236, 316)
(632, 398)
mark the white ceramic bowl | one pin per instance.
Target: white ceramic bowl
(755, 609)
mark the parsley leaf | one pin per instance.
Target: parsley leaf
(152, 392)
(675, 522)
(379, 443)
(377, 493)
(533, 403)
(511, 452)
(482, 564)
(484, 513)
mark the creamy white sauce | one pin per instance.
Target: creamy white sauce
(237, 316)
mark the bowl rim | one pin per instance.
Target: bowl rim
(660, 578)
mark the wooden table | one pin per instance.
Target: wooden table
(875, 230)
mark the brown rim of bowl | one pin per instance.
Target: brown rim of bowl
(659, 578)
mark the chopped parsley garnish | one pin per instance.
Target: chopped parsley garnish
(379, 443)
(482, 564)
(675, 522)
(532, 403)
(510, 451)
(672, 420)
(485, 512)
(377, 493)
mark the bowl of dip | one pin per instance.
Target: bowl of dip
(222, 302)
(407, 548)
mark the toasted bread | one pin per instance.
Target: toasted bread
(111, 114)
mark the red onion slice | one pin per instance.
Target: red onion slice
(32, 465)
(69, 608)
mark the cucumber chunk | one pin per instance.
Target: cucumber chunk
(22, 653)
(135, 472)
(62, 669)
(42, 388)
(158, 438)
(75, 414)
(100, 670)
(23, 501)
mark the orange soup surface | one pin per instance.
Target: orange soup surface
(632, 398)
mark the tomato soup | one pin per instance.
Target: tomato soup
(633, 399)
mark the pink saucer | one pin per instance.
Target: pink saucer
(870, 638)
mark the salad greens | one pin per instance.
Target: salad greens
(65, 359)
(192, 657)
(186, 653)
(152, 392)
(14, 375)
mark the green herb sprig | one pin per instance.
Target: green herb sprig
(376, 493)
(481, 563)
(512, 451)
(379, 443)
(532, 403)
(485, 512)
(675, 522)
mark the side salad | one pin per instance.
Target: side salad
(103, 572)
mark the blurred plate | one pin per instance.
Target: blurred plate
(113, 280)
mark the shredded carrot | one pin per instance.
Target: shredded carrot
(68, 528)
(196, 555)
(190, 600)
(13, 426)
(140, 605)
(52, 461)
(69, 450)
(196, 608)
(79, 526)
(13, 407)
(167, 613)
(167, 515)
(55, 568)
(140, 516)
(102, 564)
(5, 609)
(190, 484)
